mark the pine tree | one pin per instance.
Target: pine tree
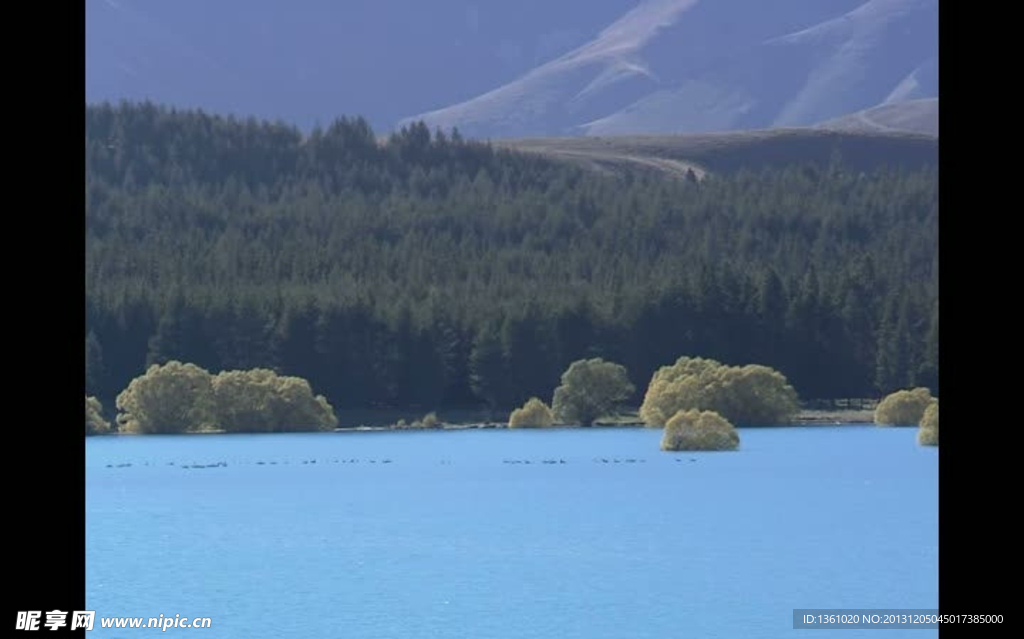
(95, 373)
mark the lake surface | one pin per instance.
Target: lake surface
(451, 540)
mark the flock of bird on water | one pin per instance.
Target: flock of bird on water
(224, 464)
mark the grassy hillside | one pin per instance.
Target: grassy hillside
(731, 151)
(917, 116)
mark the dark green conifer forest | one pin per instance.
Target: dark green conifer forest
(428, 271)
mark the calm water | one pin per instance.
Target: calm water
(450, 540)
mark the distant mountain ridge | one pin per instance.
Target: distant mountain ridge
(315, 60)
(531, 68)
(673, 66)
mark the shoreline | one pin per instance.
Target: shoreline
(803, 419)
(800, 421)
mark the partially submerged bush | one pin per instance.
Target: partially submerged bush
(261, 401)
(590, 389)
(699, 430)
(928, 430)
(173, 398)
(533, 414)
(94, 422)
(903, 408)
(751, 395)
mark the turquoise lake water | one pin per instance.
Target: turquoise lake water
(450, 539)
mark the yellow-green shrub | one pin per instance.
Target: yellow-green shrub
(94, 422)
(179, 398)
(533, 414)
(429, 420)
(261, 401)
(699, 430)
(751, 395)
(173, 398)
(928, 430)
(903, 408)
(590, 390)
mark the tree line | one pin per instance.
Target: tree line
(426, 270)
(181, 397)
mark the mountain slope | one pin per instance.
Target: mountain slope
(696, 65)
(918, 116)
(530, 68)
(316, 60)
